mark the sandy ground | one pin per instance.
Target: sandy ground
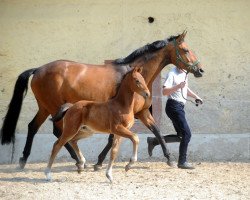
(146, 180)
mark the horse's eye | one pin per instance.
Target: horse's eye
(186, 50)
(137, 82)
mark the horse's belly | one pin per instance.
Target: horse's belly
(84, 132)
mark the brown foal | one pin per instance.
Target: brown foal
(115, 116)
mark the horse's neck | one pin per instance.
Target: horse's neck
(154, 65)
(125, 95)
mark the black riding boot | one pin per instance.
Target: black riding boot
(152, 141)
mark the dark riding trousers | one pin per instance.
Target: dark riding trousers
(175, 111)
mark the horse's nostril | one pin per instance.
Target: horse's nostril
(201, 70)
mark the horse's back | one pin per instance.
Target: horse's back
(64, 81)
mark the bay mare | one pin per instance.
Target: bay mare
(60, 82)
(115, 116)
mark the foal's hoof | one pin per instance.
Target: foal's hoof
(80, 167)
(48, 175)
(22, 162)
(110, 177)
(97, 167)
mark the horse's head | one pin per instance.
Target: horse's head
(184, 58)
(138, 83)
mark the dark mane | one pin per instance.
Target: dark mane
(171, 38)
(148, 48)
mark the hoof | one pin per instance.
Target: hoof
(110, 177)
(22, 162)
(48, 175)
(127, 167)
(80, 167)
(97, 167)
(151, 145)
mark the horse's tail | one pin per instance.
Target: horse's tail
(10, 120)
(62, 111)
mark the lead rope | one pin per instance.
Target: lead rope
(197, 104)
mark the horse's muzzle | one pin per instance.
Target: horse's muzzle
(146, 95)
(198, 73)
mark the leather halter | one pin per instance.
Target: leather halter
(190, 67)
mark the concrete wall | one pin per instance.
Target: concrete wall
(203, 147)
(36, 32)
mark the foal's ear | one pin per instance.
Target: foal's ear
(138, 69)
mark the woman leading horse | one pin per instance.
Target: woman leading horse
(62, 81)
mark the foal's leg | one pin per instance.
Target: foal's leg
(104, 153)
(70, 130)
(33, 127)
(148, 120)
(57, 132)
(113, 155)
(124, 132)
(82, 160)
(56, 148)
(135, 139)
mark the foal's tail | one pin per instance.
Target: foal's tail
(62, 111)
(10, 120)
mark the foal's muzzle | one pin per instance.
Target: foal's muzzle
(146, 95)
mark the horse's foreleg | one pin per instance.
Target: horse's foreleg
(148, 120)
(104, 153)
(33, 127)
(82, 160)
(135, 139)
(113, 155)
(57, 132)
(124, 132)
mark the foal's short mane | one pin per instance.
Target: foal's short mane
(147, 49)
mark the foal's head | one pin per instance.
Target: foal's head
(137, 82)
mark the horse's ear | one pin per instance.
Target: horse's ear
(182, 36)
(184, 33)
(138, 69)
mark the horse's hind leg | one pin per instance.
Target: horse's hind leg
(56, 148)
(57, 132)
(69, 131)
(33, 127)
